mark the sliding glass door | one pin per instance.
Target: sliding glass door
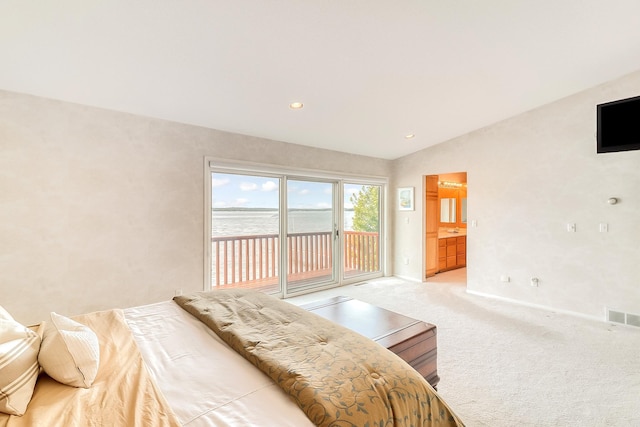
(311, 233)
(362, 225)
(290, 234)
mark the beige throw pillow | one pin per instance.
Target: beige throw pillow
(70, 352)
(19, 368)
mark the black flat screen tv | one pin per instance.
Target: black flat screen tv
(618, 125)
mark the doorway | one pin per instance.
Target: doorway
(445, 222)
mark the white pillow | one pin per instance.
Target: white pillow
(70, 352)
(19, 368)
(4, 314)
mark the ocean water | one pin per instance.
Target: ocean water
(249, 222)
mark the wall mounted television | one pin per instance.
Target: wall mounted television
(618, 125)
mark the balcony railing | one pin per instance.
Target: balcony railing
(361, 252)
(253, 261)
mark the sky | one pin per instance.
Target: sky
(230, 190)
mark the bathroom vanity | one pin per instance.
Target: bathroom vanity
(452, 251)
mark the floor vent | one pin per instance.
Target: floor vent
(624, 318)
(633, 320)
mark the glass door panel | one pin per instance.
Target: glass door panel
(361, 237)
(310, 234)
(245, 225)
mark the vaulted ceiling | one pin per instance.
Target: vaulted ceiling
(369, 73)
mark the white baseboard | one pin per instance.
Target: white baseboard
(538, 306)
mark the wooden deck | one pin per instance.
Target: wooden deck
(272, 284)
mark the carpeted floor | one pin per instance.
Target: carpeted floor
(503, 364)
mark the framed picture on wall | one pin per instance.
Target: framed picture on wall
(405, 199)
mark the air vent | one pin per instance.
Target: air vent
(623, 318)
(633, 320)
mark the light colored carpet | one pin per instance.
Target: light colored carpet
(502, 364)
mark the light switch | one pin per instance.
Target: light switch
(571, 227)
(604, 227)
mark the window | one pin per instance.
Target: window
(289, 233)
(361, 237)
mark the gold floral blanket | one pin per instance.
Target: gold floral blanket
(336, 376)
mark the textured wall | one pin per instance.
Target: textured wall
(528, 177)
(100, 209)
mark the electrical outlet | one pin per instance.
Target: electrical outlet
(571, 227)
(505, 278)
(535, 281)
(178, 292)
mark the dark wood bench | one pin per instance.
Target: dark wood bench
(413, 340)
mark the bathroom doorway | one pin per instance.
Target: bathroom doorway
(445, 239)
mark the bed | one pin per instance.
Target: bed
(228, 358)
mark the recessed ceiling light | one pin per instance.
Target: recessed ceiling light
(410, 136)
(296, 105)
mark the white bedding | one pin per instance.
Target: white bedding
(205, 381)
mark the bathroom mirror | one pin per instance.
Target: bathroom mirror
(463, 214)
(448, 210)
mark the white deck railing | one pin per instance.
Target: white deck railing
(253, 261)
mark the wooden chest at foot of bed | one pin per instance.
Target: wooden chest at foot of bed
(413, 340)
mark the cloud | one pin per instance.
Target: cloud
(351, 190)
(248, 186)
(219, 182)
(220, 204)
(322, 205)
(269, 186)
(303, 192)
(240, 202)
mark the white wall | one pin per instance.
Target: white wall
(100, 209)
(528, 177)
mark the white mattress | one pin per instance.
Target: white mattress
(205, 381)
